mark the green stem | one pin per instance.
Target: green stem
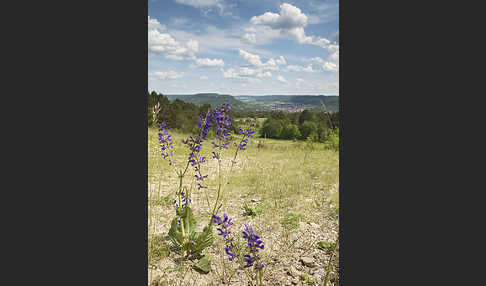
(181, 176)
(248, 276)
(219, 190)
(328, 268)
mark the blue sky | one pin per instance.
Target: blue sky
(249, 47)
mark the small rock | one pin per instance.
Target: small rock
(294, 272)
(308, 261)
(320, 271)
(254, 200)
(314, 224)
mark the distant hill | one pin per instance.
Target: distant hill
(331, 101)
(214, 99)
(250, 102)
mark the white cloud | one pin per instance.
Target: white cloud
(332, 63)
(166, 74)
(282, 79)
(291, 22)
(334, 56)
(265, 74)
(207, 5)
(230, 73)
(255, 61)
(250, 38)
(316, 60)
(299, 82)
(198, 3)
(251, 58)
(153, 24)
(297, 68)
(259, 34)
(178, 21)
(164, 43)
(329, 66)
(290, 17)
(246, 73)
(193, 45)
(206, 62)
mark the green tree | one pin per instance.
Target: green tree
(307, 128)
(272, 128)
(306, 115)
(290, 131)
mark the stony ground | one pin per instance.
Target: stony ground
(292, 184)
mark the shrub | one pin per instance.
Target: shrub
(290, 131)
(307, 128)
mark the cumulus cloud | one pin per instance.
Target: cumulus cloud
(193, 45)
(257, 69)
(250, 38)
(246, 74)
(153, 24)
(166, 74)
(329, 66)
(291, 21)
(163, 43)
(299, 82)
(259, 34)
(289, 17)
(282, 79)
(179, 21)
(206, 62)
(207, 5)
(297, 68)
(199, 3)
(230, 73)
(255, 61)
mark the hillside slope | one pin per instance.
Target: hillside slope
(214, 99)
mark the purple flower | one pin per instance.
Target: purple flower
(248, 133)
(225, 232)
(184, 201)
(254, 243)
(165, 142)
(222, 122)
(195, 158)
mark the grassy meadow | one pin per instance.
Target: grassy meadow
(288, 192)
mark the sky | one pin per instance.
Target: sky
(247, 47)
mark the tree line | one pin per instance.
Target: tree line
(316, 126)
(308, 124)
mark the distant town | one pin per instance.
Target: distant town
(288, 107)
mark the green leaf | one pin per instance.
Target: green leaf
(190, 223)
(204, 239)
(175, 233)
(203, 266)
(324, 245)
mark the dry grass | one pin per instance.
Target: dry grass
(293, 185)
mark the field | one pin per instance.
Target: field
(290, 191)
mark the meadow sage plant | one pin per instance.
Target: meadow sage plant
(182, 232)
(251, 258)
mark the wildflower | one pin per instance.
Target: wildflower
(165, 142)
(225, 232)
(194, 144)
(254, 243)
(184, 201)
(223, 121)
(248, 133)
